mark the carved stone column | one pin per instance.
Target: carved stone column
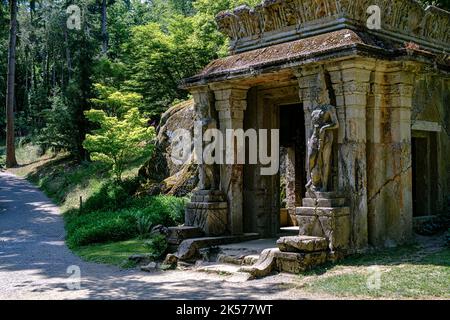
(351, 84)
(231, 102)
(324, 212)
(399, 230)
(389, 155)
(208, 207)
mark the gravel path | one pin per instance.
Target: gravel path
(34, 262)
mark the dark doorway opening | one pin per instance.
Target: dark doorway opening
(292, 162)
(424, 173)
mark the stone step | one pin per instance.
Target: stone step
(322, 202)
(179, 234)
(292, 262)
(232, 271)
(189, 249)
(302, 244)
(219, 268)
(238, 259)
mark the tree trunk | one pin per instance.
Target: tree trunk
(104, 28)
(10, 143)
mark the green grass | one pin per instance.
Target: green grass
(116, 253)
(405, 273)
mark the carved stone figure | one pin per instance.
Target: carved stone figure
(207, 172)
(323, 121)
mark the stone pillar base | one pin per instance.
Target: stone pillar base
(208, 211)
(326, 215)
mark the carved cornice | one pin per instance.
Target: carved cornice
(352, 87)
(392, 89)
(284, 20)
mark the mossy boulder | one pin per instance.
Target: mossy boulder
(160, 174)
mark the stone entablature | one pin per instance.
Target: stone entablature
(276, 21)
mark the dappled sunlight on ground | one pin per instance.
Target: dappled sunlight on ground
(34, 261)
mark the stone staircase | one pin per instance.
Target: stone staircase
(237, 255)
(294, 254)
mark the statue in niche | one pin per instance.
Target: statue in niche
(320, 145)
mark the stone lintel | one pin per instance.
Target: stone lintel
(429, 126)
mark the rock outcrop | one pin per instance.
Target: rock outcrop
(160, 174)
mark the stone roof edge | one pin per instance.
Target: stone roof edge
(276, 21)
(344, 52)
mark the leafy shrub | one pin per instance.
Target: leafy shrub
(100, 227)
(144, 225)
(136, 220)
(165, 210)
(157, 246)
(111, 196)
(60, 130)
(176, 207)
(118, 140)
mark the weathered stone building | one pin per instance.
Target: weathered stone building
(389, 147)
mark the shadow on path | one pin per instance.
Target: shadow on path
(34, 261)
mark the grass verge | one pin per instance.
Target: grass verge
(115, 253)
(97, 210)
(401, 273)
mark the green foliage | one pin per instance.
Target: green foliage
(157, 63)
(135, 218)
(59, 131)
(149, 44)
(448, 238)
(144, 225)
(157, 246)
(111, 195)
(100, 227)
(177, 208)
(117, 141)
(114, 102)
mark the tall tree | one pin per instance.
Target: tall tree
(104, 27)
(10, 143)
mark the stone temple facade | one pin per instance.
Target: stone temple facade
(382, 97)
